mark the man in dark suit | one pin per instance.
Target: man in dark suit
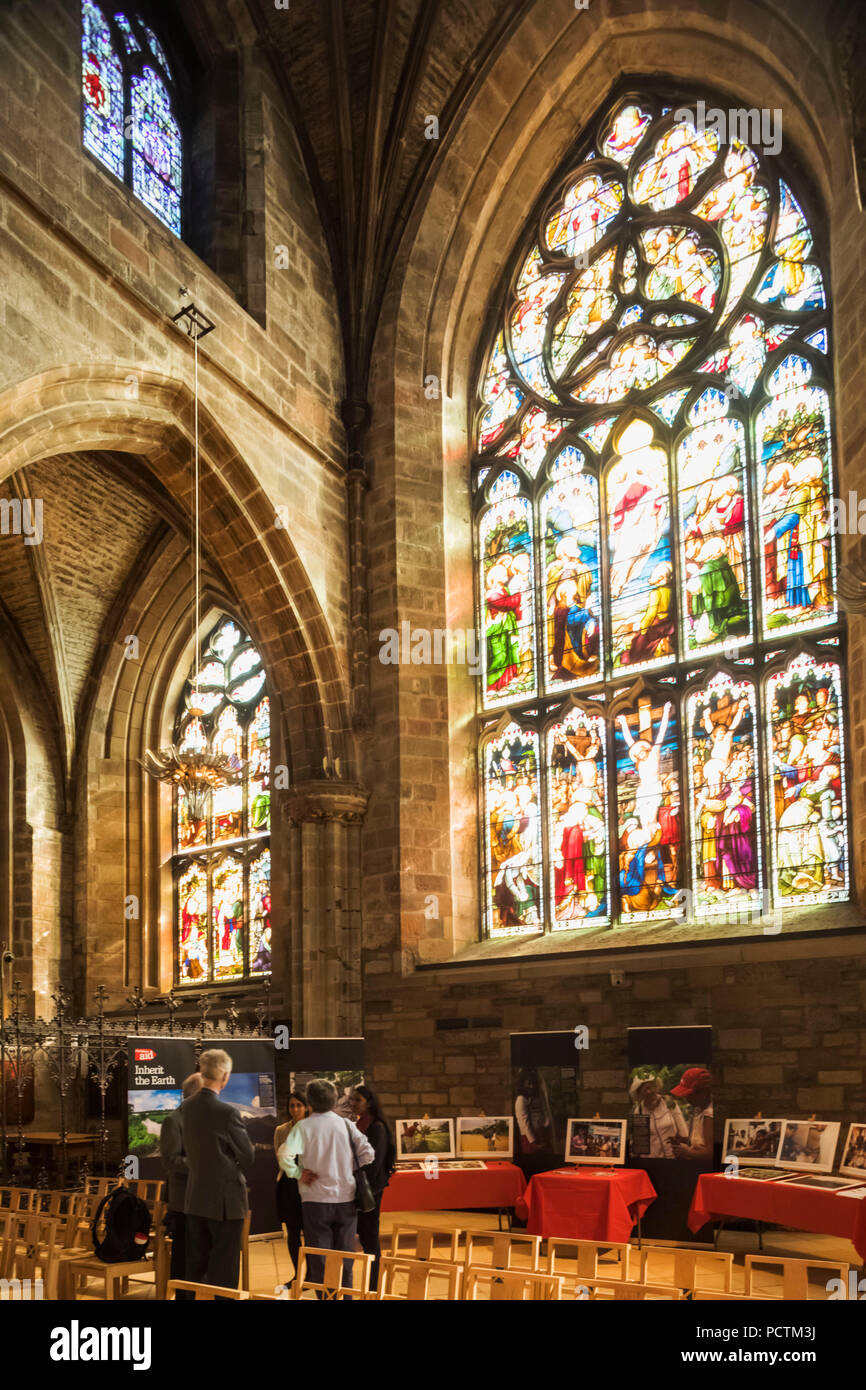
(174, 1165)
(218, 1153)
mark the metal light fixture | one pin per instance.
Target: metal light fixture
(195, 772)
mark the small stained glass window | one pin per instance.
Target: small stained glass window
(222, 863)
(130, 122)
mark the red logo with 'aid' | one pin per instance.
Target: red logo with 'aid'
(144, 1054)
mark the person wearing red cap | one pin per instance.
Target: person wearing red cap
(696, 1087)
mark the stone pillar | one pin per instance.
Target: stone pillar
(325, 919)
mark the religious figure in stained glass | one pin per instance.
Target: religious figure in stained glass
(129, 119)
(724, 795)
(651, 491)
(513, 829)
(648, 804)
(810, 855)
(578, 818)
(222, 863)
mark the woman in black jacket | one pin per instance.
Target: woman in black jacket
(288, 1196)
(372, 1123)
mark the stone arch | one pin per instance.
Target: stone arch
(560, 68)
(103, 406)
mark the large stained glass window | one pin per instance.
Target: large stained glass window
(129, 108)
(222, 863)
(661, 703)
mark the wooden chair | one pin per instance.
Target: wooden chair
(427, 1242)
(420, 1277)
(795, 1274)
(691, 1267)
(586, 1253)
(15, 1198)
(511, 1285)
(503, 1247)
(80, 1270)
(148, 1189)
(98, 1187)
(29, 1250)
(624, 1291)
(206, 1293)
(713, 1296)
(332, 1286)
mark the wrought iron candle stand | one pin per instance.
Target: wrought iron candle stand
(106, 1049)
(20, 1043)
(64, 1046)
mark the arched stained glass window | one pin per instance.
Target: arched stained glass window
(661, 705)
(129, 108)
(222, 863)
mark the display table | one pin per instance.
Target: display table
(47, 1145)
(780, 1203)
(586, 1203)
(496, 1185)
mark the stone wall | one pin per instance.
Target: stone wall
(789, 1037)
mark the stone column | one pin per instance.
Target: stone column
(325, 915)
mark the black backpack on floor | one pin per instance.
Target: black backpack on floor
(121, 1227)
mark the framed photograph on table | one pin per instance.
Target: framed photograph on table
(488, 1135)
(853, 1163)
(809, 1145)
(595, 1141)
(822, 1181)
(753, 1143)
(416, 1138)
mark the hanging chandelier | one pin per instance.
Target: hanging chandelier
(198, 771)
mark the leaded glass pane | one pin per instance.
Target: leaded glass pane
(724, 795)
(513, 832)
(649, 820)
(102, 80)
(156, 149)
(577, 816)
(807, 791)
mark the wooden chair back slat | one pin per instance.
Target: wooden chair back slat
(511, 1285)
(425, 1281)
(624, 1291)
(795, 1273)
(206, 1293)
(504, 1248)
(424, 1241)
(585, 1254)
(331, 1285)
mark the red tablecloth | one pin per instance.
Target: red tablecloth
(586, 1203)
(779, 1203)
(454, 1189)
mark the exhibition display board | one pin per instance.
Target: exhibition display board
(779, 1203)
(586, 1203)
(455, 1189)
(670, 1095)
(158, 1067)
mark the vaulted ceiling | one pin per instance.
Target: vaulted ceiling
(94, 522)
(361, 78)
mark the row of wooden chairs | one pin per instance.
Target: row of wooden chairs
(65, 1251)
(585, 1262)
